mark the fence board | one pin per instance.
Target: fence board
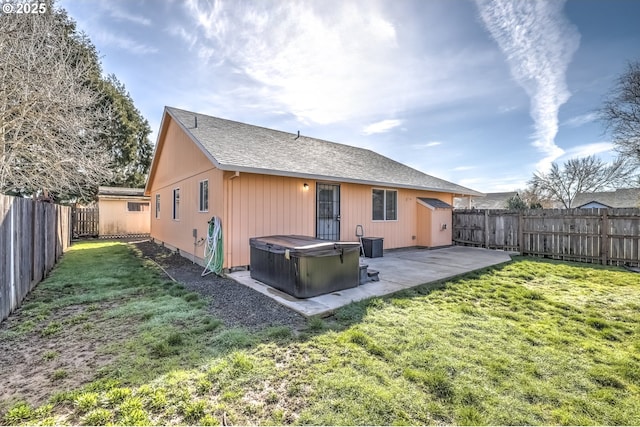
(33, 237)
(606, 236)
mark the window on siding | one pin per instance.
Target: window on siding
(137, 206)
(203, 205)
(157, 206)
(385, 205)
(176, 203)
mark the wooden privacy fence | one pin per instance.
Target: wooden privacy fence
(85, 222)
(604, 236)
(33, 236)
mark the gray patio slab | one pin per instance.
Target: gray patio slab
(399, 269)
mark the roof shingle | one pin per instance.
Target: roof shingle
(242, 147)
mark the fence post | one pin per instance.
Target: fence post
(486, 228)
(521, 233)
(604, 237)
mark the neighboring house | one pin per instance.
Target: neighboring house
(263, 182)
(488, 201)
(123, 211)
(620, 198)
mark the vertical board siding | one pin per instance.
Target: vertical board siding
(604, 236)
(33, 237)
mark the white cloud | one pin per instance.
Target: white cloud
(580, 120)
(125, 43)
(123, 15)
(325, 62)
(381, 127)
(426, 145)
(588, 150)
(463, 168)
(539, 43)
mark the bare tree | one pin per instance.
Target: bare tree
(586, 174)
(48, 114)
(621, 113)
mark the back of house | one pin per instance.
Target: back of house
(262, 182)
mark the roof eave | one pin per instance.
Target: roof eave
(235, 168)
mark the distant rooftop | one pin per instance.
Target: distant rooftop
(620, 198)
(120, 191)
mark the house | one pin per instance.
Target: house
(488, 201)
(262, 182)
(123, 212)
(620, 198)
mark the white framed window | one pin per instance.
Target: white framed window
(385, 205)
(157, 206)
(137, 206)
(203, 199)
(176, 204)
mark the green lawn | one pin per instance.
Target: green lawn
(530, 342)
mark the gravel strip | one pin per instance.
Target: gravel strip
(235, 304)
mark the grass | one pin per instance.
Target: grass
(530, 342)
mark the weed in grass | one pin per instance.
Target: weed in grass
(209, 420)
(19, 413)
(294, 389)
(315, 324)
(51, 329)
(98, 417)
(272, 398)
(191, 296)
(50, 355)
(158, 399)
(233, 338)
(278, 417)
(193, 411)
(86, 401)
(278, 332)
(204, 386)
(209, 324)
(241, 362)
(175, 339)
(231, 395)
(437, 382)
(469, 416)
(118, 394)
(59, 374)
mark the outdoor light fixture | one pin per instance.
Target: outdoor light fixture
(305, 186)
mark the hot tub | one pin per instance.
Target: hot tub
(304, 266)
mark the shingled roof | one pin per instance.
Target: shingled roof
(241, 147)
(620, 198)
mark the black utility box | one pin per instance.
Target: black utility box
(372, 246)
(304, 266)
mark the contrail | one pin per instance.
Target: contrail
(539, 43)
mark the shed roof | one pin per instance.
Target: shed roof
(435, 203)
(120, 191)
(241, 147)
(620, 198)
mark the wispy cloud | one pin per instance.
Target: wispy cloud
(125, 43)
(539, 43)
(588, 150)
(463, 168)
(381, 127)
(426, 145)
(116, 12)
(580, 120)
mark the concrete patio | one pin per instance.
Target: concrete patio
(399, 269)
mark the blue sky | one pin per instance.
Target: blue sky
(481, 93)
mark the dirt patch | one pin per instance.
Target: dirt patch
(60, 353)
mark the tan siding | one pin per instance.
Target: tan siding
(357, 209)
(183, 165)
(263, 205)
(424, 225)
(115, 218)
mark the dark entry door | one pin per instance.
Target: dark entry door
(328, 211)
